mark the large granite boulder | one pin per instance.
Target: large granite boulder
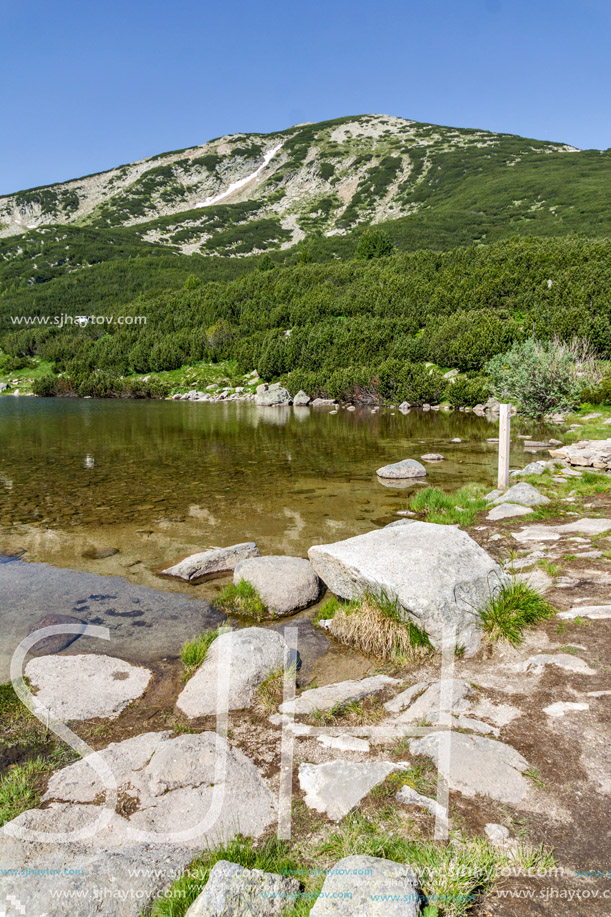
(246, 657)
(272, 395)
(216, 560)
(408, 468)
(437, 573)
(364, 886)
(85, 686)
(234, 891)
(284, 583)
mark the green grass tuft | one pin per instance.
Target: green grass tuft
(513, 608)
(242, 599)
(19, 789)
(459, 508)
(194, 651)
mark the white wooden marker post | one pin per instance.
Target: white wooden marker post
(504, 439)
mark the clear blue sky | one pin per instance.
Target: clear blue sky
(92, 84)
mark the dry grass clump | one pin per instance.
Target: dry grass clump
(374, 626)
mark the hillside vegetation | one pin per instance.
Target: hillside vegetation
(336, 328)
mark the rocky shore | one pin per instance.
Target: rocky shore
(487, 750)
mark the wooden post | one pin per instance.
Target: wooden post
(504, 440)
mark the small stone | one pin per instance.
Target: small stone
(498, 834)
(408, 468)
(507, 511)
(285, 584)
(432, 457)
(216, 560)
(410, 797)
(559, 708)
(522, 493)
(344, 743)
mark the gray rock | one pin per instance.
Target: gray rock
(336, 787)
(538, 663)
(85, 686)
(301, 398)
(405, 698)
(531, 468)
(323, 402)
(344, 743)
(507, 511)
(275, 394)
(559, 708)
(438, 574)
(432, 457)
(247, 657)
(233, 891)
(364, 886)
(56, 642)
(409, 797)
(284, 583)
(216, 560)
(451, 374)
(334, 695)
(408, 468)
(427, 706)
(477, 765)
(3, 386)
(522, 493)
(193, 790)
(498, 834)
(594, 612)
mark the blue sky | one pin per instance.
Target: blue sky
(90, 85)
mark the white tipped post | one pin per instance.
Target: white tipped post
(504, 440)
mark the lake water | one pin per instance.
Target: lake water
(156, 480)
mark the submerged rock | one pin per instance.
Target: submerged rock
(438, 575)
(86, 686)
(233, 890)
(285, 584)
(408, 468)
(56, 642)
(245, 657)
(216, 560)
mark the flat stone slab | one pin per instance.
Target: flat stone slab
(246, 658)
(344, 743)
(559, 708)
(334, 695)
(565, 661)
(408, 468)
(185, 792)
(284, 583)
(554, 532)
(409, 797)
(477, 765)
(336, 787)
(405, 698)
(522, 493)
(233, 890)
(428, 705)
(364, 886)
(507, 511)
(85, 686)
(437, 573)
(594, 612)
(432, 457)
(216, 560)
